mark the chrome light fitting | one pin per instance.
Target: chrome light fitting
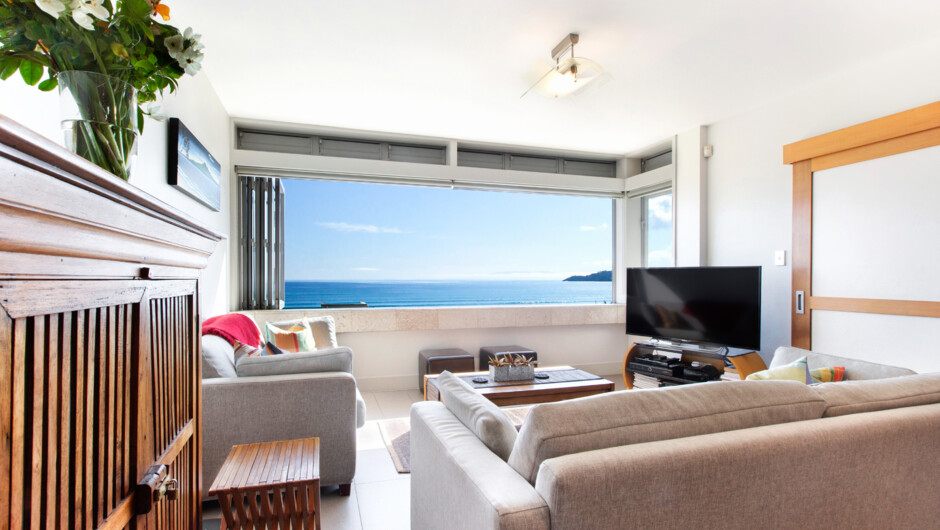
(567, 76)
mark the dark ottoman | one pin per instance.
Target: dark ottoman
(435, 361)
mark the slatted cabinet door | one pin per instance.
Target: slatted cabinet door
(176, 401)
(96, 385)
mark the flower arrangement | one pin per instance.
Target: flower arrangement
(512, 367)
(123, 40)
(512, 359)
(110, 61)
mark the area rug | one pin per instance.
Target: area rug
(396, 433)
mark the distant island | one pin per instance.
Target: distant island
(602, 276)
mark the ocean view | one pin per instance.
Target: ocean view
(310, 294)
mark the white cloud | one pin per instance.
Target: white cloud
(601, 263)
(660, 258)
(602, 226)
(660, 212)
(372, 229)
(365, 269)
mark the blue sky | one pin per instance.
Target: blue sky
(354, 231)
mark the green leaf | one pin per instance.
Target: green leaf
(140, 120)
(143, 65)
(9, 66)
(48, 84)
(136, 9)
(33, 30)
(31, 72)
(118, 49)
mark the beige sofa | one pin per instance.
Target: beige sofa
(863, 453)
(298, 395)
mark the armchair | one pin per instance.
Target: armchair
(282, 397)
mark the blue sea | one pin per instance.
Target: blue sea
(445, 293)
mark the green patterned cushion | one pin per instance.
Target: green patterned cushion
(297, 338)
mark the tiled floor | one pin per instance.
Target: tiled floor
(380, 497)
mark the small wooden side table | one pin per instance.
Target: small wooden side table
(271, 485)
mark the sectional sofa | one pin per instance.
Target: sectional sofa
(862, 453)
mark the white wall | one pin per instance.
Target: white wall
(389, 360)
(198, 106)
(749, 187)
(690, 229)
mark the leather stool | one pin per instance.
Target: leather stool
(435, 361)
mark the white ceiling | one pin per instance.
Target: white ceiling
(454, 69)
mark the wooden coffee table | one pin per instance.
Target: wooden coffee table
(527, 393)
(271, 485)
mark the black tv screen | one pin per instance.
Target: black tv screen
(716, 305)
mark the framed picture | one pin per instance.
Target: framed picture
(192, 169)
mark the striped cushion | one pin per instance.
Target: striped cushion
(243, 351)
(297, 338)
(828, 375)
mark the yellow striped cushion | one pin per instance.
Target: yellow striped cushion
(828, 375)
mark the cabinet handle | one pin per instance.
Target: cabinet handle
(799, 302)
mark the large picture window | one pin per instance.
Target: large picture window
(394, 245)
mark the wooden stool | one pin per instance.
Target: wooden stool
(270, 485)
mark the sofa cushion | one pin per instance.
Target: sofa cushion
(323, 329)
(479, 414)
(636, 416)
(328, 360)
(850, 397)
(295, 338)
(218, 357)
(854, 368)
(245, 351)
(795, 371)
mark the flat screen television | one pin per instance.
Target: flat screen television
(714, 305)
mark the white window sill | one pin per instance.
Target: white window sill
(445, 318)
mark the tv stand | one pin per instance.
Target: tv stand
(745, 362)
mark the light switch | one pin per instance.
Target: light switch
(780, 258)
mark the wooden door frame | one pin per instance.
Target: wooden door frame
(906, 131)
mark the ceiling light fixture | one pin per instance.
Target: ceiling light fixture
(570, 75)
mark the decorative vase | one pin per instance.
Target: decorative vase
(99, 119)
(512, 373)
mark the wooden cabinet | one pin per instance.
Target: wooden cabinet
(745, 362)
(99, 360)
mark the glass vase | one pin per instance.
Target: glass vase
(99, 119)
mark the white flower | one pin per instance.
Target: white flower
(83, 19)
(190, 61)
(83, 10)
(96, 8)
(174, 45)
(155, 111)
(53, 7)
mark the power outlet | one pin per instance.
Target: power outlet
(780, 258)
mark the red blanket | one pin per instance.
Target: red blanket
(232, 327)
